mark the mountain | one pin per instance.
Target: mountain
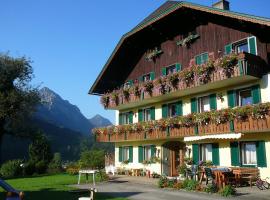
(61, 113)
(99, 121)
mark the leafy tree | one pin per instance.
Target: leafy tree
(55, 165)
(39, 149)
(18, 98)
(94, 159)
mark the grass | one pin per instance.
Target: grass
(51, 187)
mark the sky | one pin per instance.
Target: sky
(69, 41)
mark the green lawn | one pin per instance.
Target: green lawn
(50, 187)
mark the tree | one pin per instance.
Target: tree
(18, 98)
(39, 149)
(94, 159)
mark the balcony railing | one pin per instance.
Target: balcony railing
(223, 72)
(246, 119)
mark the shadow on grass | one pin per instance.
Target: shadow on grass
(52, 194)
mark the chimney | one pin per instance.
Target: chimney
(223, 4)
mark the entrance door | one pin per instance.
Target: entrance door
(172, 157)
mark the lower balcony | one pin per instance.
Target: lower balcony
(248, 119)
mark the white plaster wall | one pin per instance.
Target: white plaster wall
(265, 88)
(116, 117)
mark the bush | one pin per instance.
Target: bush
(29, 168)
(94, 159)
(72, 168)
(11, 169)
(41, 167)
(162, 182)
(211, 188)
(190, 184)
(178, 185)
(227, 191)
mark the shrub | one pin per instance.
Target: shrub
(163, 182)
(92, 159)
(178, 185)
(72, 169)
(227, 191)
(182, 169)
(11, 169)
(190, 184)
(211, 188)
(29, 168)
(41, 167)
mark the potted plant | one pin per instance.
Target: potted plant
(227, 63)
(148, 87)
(187, 75)
(115, 97)
(126, 94)
(105, 100)
(174, 80)
(182, 171)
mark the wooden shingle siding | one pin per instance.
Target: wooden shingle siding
(213, 39)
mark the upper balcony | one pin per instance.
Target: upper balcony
(248, 119)
(227, 71)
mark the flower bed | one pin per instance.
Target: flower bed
(246, 118)
(212, 71)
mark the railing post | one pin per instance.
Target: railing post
(168, 131)
(196, 130)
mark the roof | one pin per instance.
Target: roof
(170, 7)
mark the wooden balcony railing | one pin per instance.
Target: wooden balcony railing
(257, 119)
(247, 67)
(251, 125)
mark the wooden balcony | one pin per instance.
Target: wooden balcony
(249, 68)
(250, 125)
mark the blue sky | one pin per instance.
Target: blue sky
(70, 41)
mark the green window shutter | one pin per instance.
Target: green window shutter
(130, 154)
(204, 58)
(152, 76)
(256, 94)
(252, 45)
(261, 154)
(194, 105)
(235, 154)
(140, 79)
(215, 153)
(179, 108)
(120, 119)
(140, 115)
(153, 150)
(153, 117)
(213, 101)
(228, 49)
(164, 111)
(164, 71)
(140, 153)
(130, 82)
(178, 67)
(120, 154)
(198, 60)
(195, 153)
(130, 116)
(231, 98)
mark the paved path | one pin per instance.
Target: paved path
(121, 187)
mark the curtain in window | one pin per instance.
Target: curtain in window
(207, 152)
(249, 153)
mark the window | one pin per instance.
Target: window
(172, 110)
(241, 46)
(244, 97)
(147, 152)
(146, 77)
(125, 153)
(201, 59)
(171, 69)
(203, 104)
(248, 150)
(125, 118)
(147, 114)
(206, 152)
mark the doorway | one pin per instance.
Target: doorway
(172, 156)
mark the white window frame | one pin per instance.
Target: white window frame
(146, 117)
(239, 99)
(202, 150)
(200, 106)
(125, 118)
(242, 147)
(125, 153)
(147, 152)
